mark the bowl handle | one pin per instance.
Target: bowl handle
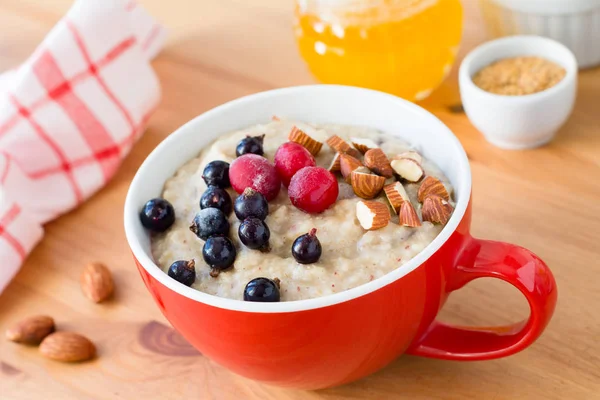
(513, 264)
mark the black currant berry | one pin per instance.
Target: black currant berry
(183, 271)
(262, 290)
(307, 248)
(216, 173)
(210, 222)
(215, 197)
(251, 204)
(254, 234)
(250, 145)
(157, 215)
(219, 252)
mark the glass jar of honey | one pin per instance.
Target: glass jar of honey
(403, 47)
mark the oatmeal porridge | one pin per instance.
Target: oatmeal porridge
(357, 242)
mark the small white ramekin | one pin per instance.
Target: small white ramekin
(574, 23)
(518, 122)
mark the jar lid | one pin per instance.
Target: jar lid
(550, 7)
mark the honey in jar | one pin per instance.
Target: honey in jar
(403, 47)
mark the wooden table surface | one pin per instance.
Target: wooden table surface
(546, 199)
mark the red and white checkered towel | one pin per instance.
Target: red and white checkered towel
(69, 115)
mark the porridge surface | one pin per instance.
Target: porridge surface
(351, 256)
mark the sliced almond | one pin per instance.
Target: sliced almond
(413, 155)
(31, 330)
(339, 145)
(366, 185)
(349, 164)
(396, 195)
(372, 214)
(297, 135)
(432, 187)
(335, 164)
(408, 169)
(67, 347)
(363, 145)
(275, 118)
(436, 210)
(377, 161)
(408, 216)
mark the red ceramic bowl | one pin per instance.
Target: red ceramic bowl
(339, 338)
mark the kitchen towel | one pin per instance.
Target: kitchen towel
(69, 115)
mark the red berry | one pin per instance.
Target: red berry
(313, 189)
(289, 159)
(256, 172)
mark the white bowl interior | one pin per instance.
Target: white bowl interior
(318, 104)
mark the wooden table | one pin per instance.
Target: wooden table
(546, 199)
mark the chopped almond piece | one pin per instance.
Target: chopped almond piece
(432, 186)
(436, 210)
(363, 145)
(396, 195)
(413, 155)
(408, 216)
(339, 145)
(372, 214)
(377, 161)
(366, 185)
(348, 164)
(299, 136)
(408, 169)
(335, 164)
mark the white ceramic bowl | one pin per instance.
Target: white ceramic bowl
(519, 122)
(574, 23)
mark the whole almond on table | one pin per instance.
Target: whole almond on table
(372, 214)
(96, 282)
(297, 135)
(67, 347)
(341, 146)
(436, 210)
(31, 330)
(366, 185)
(432, 186)
(377, 161)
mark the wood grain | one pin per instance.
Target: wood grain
(546, 199)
